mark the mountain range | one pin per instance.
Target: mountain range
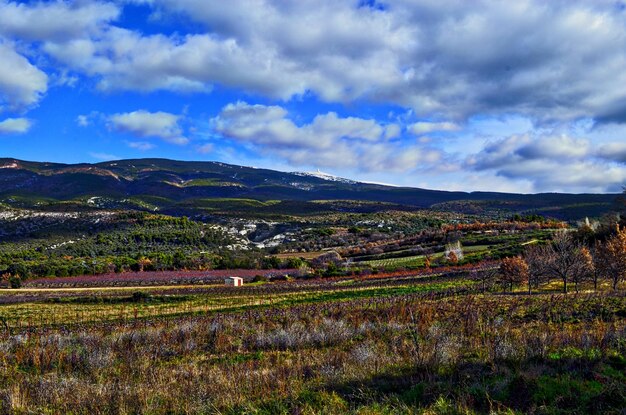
(162, 184)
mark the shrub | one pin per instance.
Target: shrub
(140, 296)
(15, 281)
(260, 278)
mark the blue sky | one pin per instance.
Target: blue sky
(522, 96)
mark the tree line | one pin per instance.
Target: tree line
(570, 260)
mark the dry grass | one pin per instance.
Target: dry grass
(374, 351)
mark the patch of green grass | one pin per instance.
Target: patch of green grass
(575, 353)
(564, 393)
(209, 182)
(307, 402)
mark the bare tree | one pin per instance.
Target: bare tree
(486, 277)
(585, 269)
(598, 263)
(565, 259)
(535, 256)
(611, 258)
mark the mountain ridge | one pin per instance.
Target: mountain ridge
(183, 181)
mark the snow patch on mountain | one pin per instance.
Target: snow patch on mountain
(325, 176)
(12, 165)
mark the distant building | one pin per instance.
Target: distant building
(233, 281)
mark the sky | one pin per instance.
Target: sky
(517, 96)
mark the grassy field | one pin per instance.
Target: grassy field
(395, 344)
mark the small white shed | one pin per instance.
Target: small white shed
(233, 281)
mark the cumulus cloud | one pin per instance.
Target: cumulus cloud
(577, 176)
(21, 83)
(556, 163)
(424, 127)
(328, 140)
(142, 123)
(448, 58)
(55, 20)
(561, 148)
(268, 48)
(15, 126)
(270, 125)
(392, 131)
(51, 23)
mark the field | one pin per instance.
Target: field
(152, 278)
(49, 307)
(403, 342)
(416, 261)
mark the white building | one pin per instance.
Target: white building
(233, 281)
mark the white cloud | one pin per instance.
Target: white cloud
(552, 163)
(142, 123)
(613, 151)
(327, 141)
(55, 20)
(140, 145)
(15, 126)
(448, 58)
(392, 131)
(267, 48)
(270, 125)
(424, 127)
(560, 147)
(21, 83)
(83, 120)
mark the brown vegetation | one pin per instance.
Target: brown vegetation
(395, 355)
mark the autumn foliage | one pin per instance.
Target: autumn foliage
(514, 271)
